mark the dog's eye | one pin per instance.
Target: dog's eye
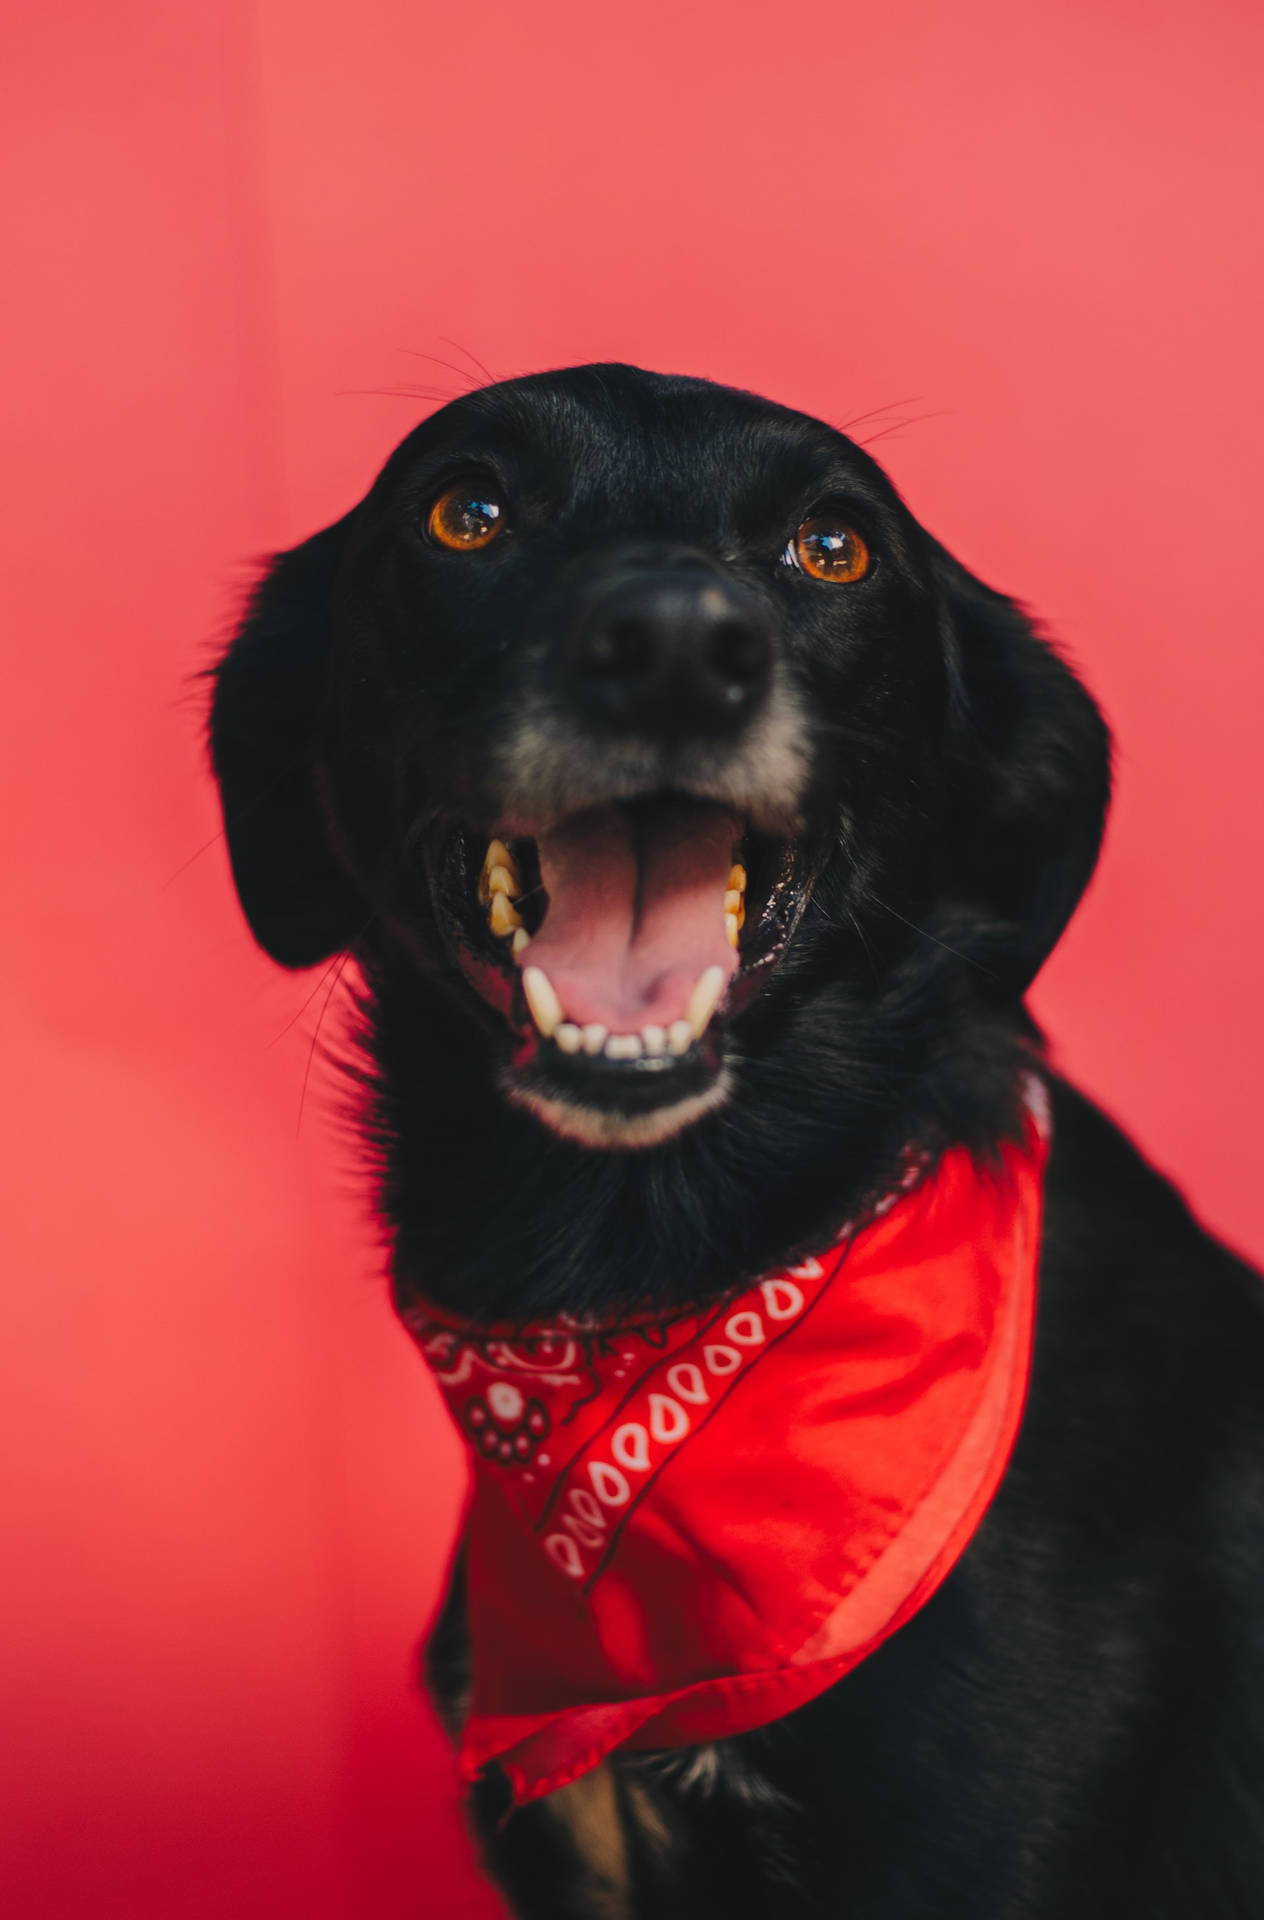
(465, 516)
(828, 549)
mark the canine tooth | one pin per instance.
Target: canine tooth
(737, 879)
(594, 1037)
(623, 1046)
(503, 880)
(521, 939)
(546, 1008)
(504, 918)
(730, 928)
(568, 1037)
(704, 999)
(679, 1037)
(732, 900)
(654, 1039)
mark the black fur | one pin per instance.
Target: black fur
(1076, 1723)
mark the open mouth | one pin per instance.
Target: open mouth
(617, 944)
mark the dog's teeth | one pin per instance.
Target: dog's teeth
(497, 856)
(623, 1046)
(546, 1008)
(737, 880)
(730, 928)
(521, 939)
(654, 1039)
(503, 880)
(594, 1037)
(704, 1000)
(732, 900)
(679, 1037)
(504, 918)
(568, 1037)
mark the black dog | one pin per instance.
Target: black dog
(637, 630)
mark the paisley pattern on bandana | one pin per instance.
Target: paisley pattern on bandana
(685, 1529)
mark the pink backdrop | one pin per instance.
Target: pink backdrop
(1036, 228)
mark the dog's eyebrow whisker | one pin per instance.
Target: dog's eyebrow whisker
(858, 419)
(895, 426)
(484, 370)
(397, 393)
(462, 373)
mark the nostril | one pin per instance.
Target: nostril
(738, 652)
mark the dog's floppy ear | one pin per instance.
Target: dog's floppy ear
(1032, 783)
(267, 712)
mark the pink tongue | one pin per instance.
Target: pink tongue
(636, 911)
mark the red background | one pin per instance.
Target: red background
(232, 224)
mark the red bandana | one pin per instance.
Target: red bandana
(682, 1531)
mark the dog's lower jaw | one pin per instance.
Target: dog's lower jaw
(604, 1129)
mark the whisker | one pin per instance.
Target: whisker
(196, 855)
(933, 938)
(311, 1052)
(860, 934)
(293, 1022)
(397, 393)
(469, 356)
(914, 420)
(858, 420)
(417, 353)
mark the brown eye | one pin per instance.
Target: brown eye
(829, 549)
(465, 517)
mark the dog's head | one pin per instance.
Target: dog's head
(640, 717)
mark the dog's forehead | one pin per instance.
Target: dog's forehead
(617, 434)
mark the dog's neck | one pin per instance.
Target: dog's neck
(686, 1528)
(495, 1218)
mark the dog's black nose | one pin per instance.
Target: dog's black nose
(677, 651)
